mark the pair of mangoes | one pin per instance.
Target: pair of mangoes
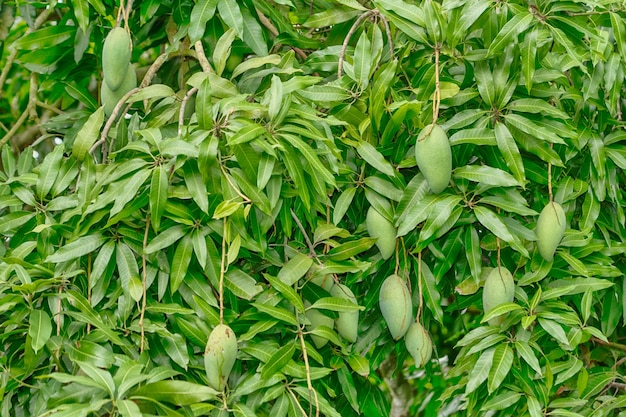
(220, 356)
(397, 309)
(119, 73)
(347, 324)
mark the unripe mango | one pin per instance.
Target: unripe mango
(347, 324)
(110, 98)
(499, 289)
(434, 157)
(220, 356)
(395, 304)
(418, 344)
(116, 57)
(550, 230)
(383, 230)
(317, 318)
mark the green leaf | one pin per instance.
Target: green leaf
(231, 15)
(510, 152)
(48, 171)
(288, 292)
(102, 378)
(158, 196)
(341, 205)
(180, 262)
(362, 61)
(349, 249)
(295, 269)
(88, 134)
(487, 175)
(502, 401)
(477, 136)
(526, 352)
(277, 313)
(480, 371)
(128, 408)
(518, 24)
(493, 222)
(77, 248)
(46, 37)
(374, 158)
(127, 190)
(278, 360)
(554, 330)
(39, 329)
(165, 239)
(126, 265)
(176, 348)
(336, 304)
(201, 13)
(175, 392)
(500, 310)
(431, 293)
(502, 361)
(242, 284)
(253, 34)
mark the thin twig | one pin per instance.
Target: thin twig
(306, 237)
(109, 124)
(201, 57)
(419, 286)
(239, 193)
(388, 32)
(183, 105)
(611, 345)
(550, 179)
(89, 285)
(346, 41)
(272, 29)
(15, 127)
(222, 272)
(437, 94)
(308, 373)
(144, 283)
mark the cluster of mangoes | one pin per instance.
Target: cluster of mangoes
(397, 309)
(119, 73)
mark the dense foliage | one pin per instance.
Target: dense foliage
(235, 181)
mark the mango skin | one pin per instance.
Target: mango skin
(395, 305)
(499, 289)
(434, 157)
(116, 53)
(347, 324)
(418, 344)
(383, 230)
(220, 356)
(317, 318)
(110, 98)
(550, 230)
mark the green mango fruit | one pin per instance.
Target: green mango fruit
(383, 230)
(110, 98)
(499, 289)
(220, 356)
(395, 305)
(550, 230)
(434, 157)
(116, 53)
(347, 324)
(418, 344)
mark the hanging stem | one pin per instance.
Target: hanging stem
(346, 41)
(222, 272)
(312, 391)
(437, 93)
(419, 286)
(144, 280)
(89, 285)
(550, 179)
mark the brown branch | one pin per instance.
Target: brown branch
(201, 57)
(270, 26)
(307, 368)
(222, 272)
(183, 105)
(612, 345)
(346, 41)
(306, 237)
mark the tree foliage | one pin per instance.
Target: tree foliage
(236, 179)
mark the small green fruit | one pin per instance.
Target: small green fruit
(347, 324)
(317, 319)
(550, 230)
(383, 230)
(220, 356)
(395, 305)
(434, 157)
(499, 289)
(418, 344)
(116, 57)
